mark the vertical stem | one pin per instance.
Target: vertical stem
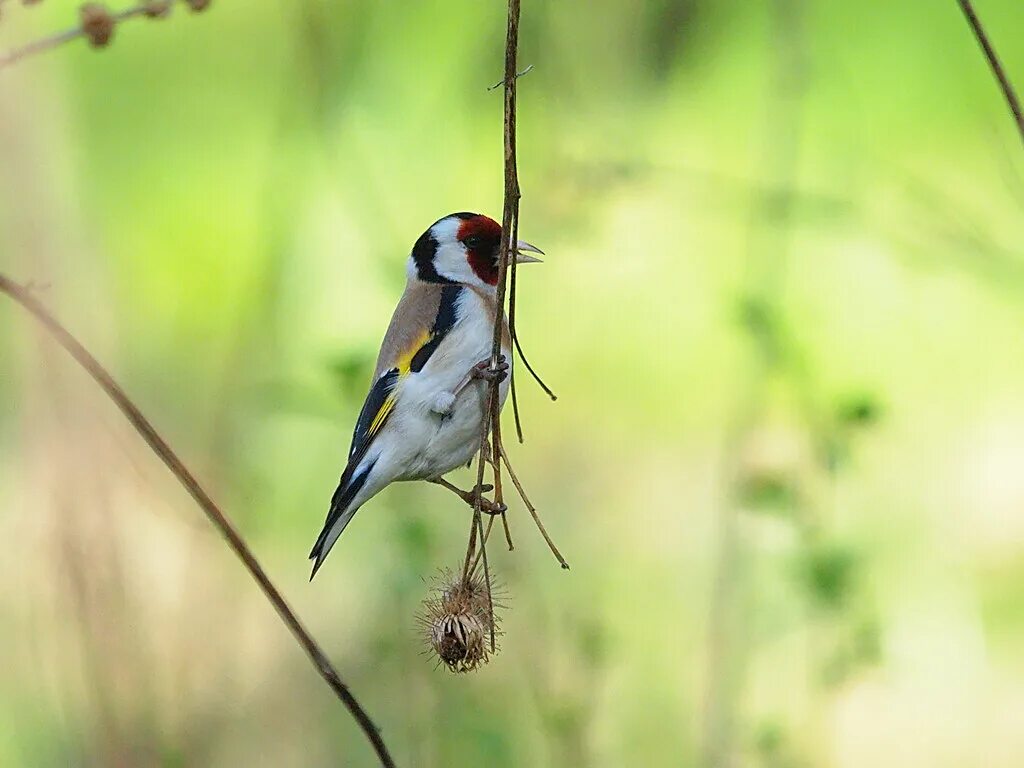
(509, 215)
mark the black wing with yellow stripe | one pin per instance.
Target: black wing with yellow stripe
(381, 400)
(379, 405)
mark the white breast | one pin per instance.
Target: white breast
(433, 445)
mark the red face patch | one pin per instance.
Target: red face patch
(481, 236)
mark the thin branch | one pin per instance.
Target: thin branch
(512, 362)
(149, 8)
(39, 46)
(478, 499)
(487, 578)
(993, 61)
(213, 513)
(536, 376)
(509, 235)
(533, 513)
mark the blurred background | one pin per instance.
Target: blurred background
(781, 307)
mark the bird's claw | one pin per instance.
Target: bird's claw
(485, 372)
(487, 506)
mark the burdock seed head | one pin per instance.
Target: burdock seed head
(456, 620)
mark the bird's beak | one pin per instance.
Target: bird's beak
(525, 258)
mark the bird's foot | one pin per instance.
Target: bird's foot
(484, 371)
(487, 506)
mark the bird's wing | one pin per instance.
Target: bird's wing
(423, 318)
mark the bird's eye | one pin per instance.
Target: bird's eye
(473, 241)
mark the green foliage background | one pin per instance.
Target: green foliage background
(782, 309)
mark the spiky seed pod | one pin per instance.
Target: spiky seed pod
(456, 620)
(198, 5)
(460, 641)
(97, 24)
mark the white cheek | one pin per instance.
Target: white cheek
(451, 263)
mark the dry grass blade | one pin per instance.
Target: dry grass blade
(1012, 100)
(213, 512)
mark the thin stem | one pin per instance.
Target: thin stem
(499, 494)
(512, 363)
(486, 538)
(478, 489)
(993, 61)
(526, 362)
(213, 512)
(487, 577)
(60, 38)
(533, 512)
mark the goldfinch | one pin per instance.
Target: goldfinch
(425, 409)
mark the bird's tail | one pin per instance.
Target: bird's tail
(341, 512)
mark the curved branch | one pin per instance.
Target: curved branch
(214, 514)
(1002, 78)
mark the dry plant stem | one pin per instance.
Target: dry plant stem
(526, 362)
(515, 399)
(515, 339)
(217, 517)
(486, 538)
(56, 40)
(993, 61)
(512, 366)
(496, 449)
(487, 577)
(509, 213)
(533, 513)
(509, 233)
(478, 499)
(504, 515)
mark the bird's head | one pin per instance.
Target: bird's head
(463, 248)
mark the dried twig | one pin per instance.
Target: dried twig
(1012, 99)
(533, 512)
(213, 513)
(96, 24)
(491, 449)
(515, 340)
(509, 233)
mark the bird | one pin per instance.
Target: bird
(423, 415)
